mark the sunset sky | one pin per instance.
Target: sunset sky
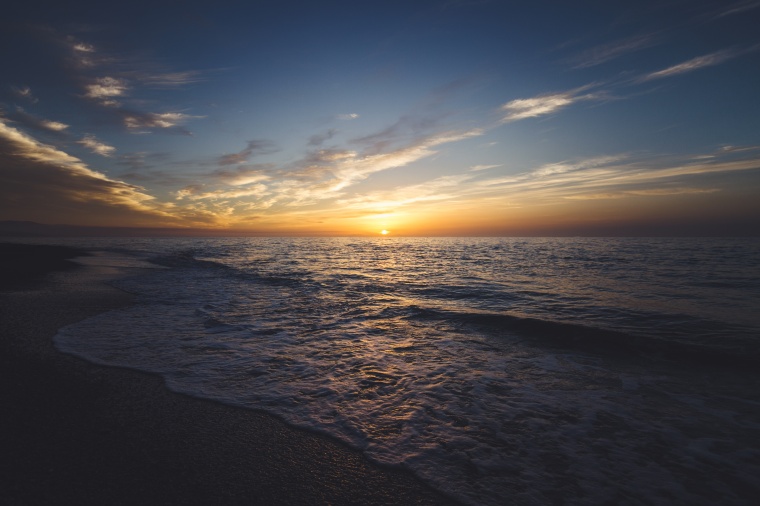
(450, 117)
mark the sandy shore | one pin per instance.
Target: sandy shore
(76, 433)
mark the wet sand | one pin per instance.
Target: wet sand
(76, 433)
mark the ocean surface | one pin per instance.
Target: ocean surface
(500, 370)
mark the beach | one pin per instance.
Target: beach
(78, 433)
(360, 371)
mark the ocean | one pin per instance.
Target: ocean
(499, 370)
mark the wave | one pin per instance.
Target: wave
(651, 335)
(185, 259)
(719, 351)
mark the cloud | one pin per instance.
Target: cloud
(391, 200)
(541, 105)
(256, 190)
(188, 191)
(170, 79)
(104, 89)
(351, 168)
(671, 191)
(609, 177)
(138, 120)
(738, 149)
(349, 116)
(243, 175)
(699, 62)
(97, 147)
(567, 166)
(606, 177)
(33, 121)
(651, 192)
(24, 92)
(82, 47)
(612, 50)
(125, 72)
(254, 147)
(38, 181)
(141, 160)
(320, 176)
(55, 126)
(740, 7)
(319, 139)
(476, 168)
(83, 54)
(408, 129)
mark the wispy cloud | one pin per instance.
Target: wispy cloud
(354, 168)
(610, 177)
(24, 92)
(97, 147)
(349, 116)
(115, 82)
(104, 89)
(138, 71)
(434, 190)
(697, 63)
(321, 176)
(408, 129)
(476, 168)
(319, 139)
(738, 149)
(138, 121)
(523, 108)
(170, 79)
(612, 50)
(572, 166)
(31, 120)
(257, 190)
(189, 190)
(140, 161)
(82, 54)
(254, 147)
(652, 192)
(739, 7)
(244, 174)
(597, 178)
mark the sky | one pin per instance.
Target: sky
(445, 117)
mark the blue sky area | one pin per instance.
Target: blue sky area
(479, 117)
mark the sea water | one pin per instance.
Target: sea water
(499, 370)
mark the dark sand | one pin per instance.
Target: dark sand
(75, 433)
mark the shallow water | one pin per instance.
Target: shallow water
(523, 370)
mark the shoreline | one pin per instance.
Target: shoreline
(80, 433)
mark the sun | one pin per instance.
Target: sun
(384, 232)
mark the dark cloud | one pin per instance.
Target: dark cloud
(38, 181)
(319, 139)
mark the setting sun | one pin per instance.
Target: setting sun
(384, 232)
